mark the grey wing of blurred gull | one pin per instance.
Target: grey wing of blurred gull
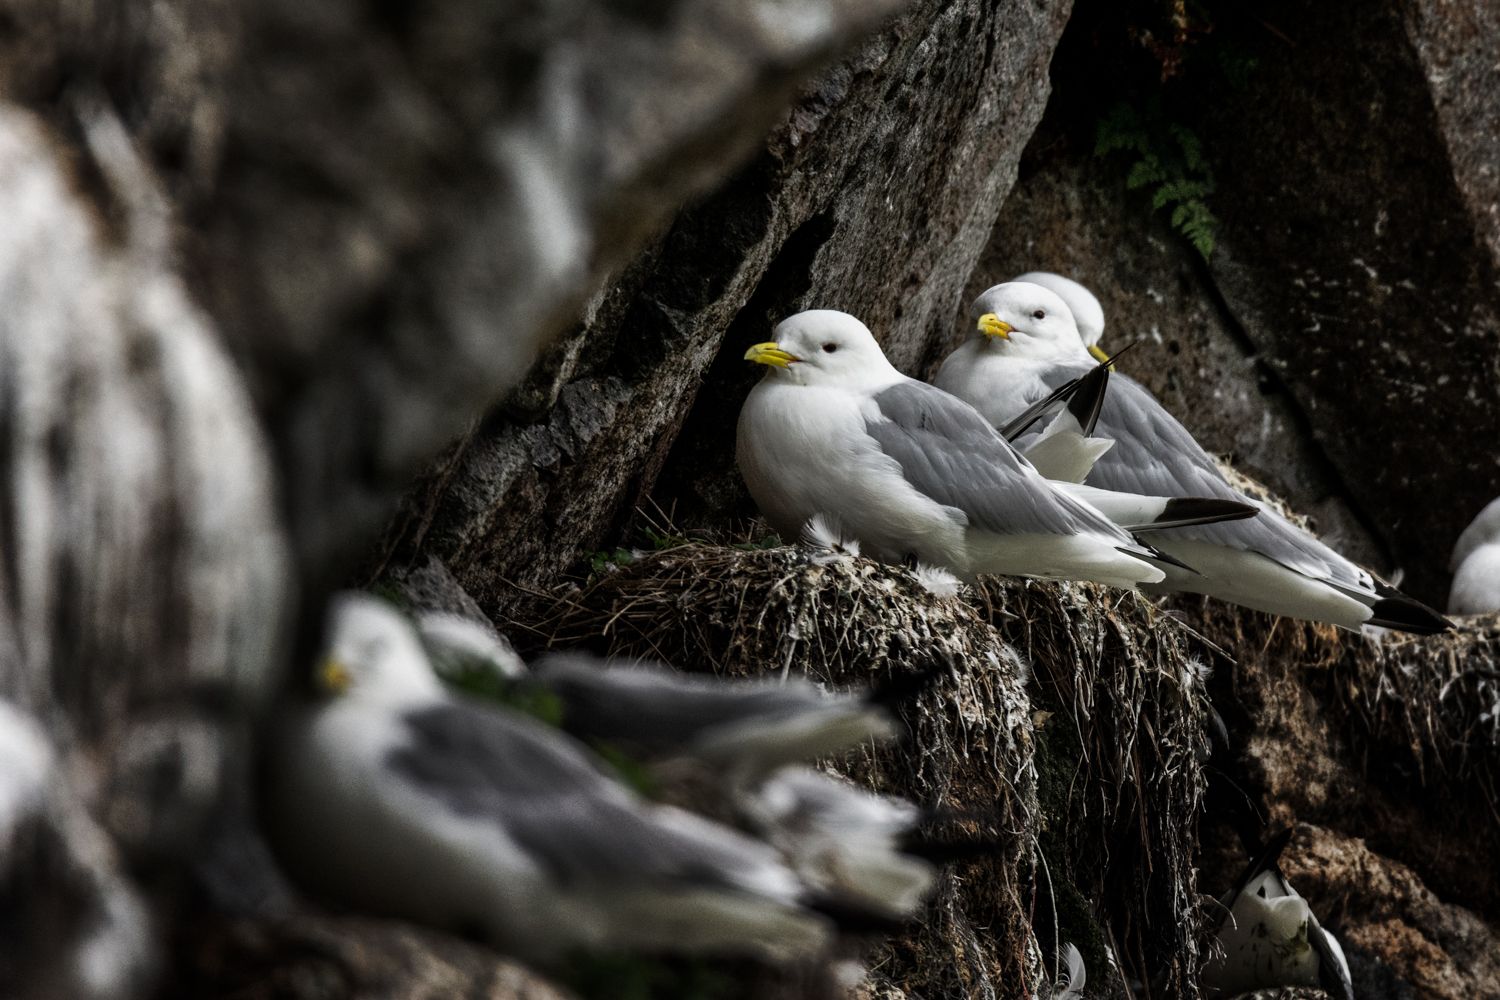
(907, 469)
(1269, 936)
(649, 710)
(1263, 562)
(747, 726)
(842, 838)
(393, 797)
(1476, 565)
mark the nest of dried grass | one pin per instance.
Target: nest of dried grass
(1396, 741)
(1435, 698)
(1122, 782)
(1091, 775)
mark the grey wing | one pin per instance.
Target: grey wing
(1156, 456)
(552, 797)
(1333, 968)
(658, 710)
(950, 453)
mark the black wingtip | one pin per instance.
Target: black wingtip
(1156, 555)
(1088, 399)
(1206, 510)
(1265, 859)
(1022, 422)
(1406, 615)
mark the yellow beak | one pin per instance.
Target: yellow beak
(993, 326)
(1098, 352)
(333, 676)
(770, 353)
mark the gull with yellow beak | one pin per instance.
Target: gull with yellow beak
(1088, 314)
(1028, 344)
(395, 797)
(834, 429)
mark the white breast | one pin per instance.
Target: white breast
(1264, 944)
(996, 385)
(356, 830)
(803, 450)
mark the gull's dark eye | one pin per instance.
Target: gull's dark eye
(830, 347)
(1039, 314)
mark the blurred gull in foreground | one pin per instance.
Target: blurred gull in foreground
(735, 748)
(742, 728)
(395, 797)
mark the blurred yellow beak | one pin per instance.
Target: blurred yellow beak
(1098, 352)
(770, 353)
(333, 676)
(993, 326)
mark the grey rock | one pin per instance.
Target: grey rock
(453, 218)
(143, 569)
(1363, 267)
(260, 262)
(313, 244)
(874, 195)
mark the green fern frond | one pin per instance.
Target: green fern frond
(1167, 159)
(1146, 171)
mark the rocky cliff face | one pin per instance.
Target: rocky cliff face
(874, 192)
(262, 262)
